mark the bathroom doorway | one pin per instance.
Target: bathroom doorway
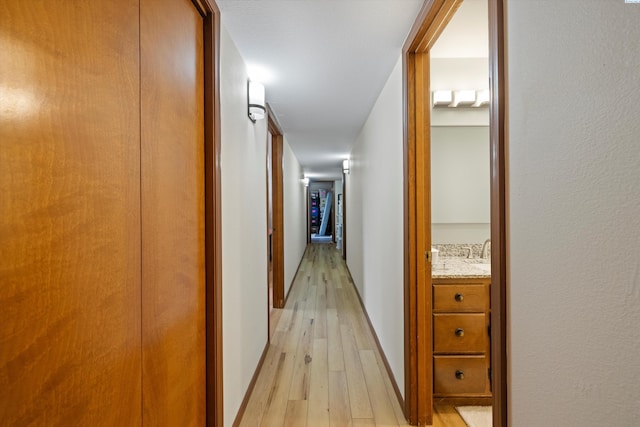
(419, 368)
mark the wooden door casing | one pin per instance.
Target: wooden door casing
(277, 206)
(432, 18)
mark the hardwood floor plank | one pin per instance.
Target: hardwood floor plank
(343, 308)
(318, 412)
(359, 422)
(296, 415)
(321, 312)
(274, 318)
(358, 393)
(261, 392)
(331, 294)
(382, 409)
(276, 404)
(339, 412)
(334, 342)
(391, 392)
(447, 416)
(299, 389)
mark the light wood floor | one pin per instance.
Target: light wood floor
(323, 367)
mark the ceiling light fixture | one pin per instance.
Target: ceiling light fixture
(483, 97)
(461, 98)
(442, 98)
(255, 98)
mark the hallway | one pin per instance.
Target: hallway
(323, 367)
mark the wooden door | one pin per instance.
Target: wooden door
(173, 248)
(69, 213)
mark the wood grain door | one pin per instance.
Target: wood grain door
(69, 213)
(173, 239)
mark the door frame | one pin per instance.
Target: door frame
(213, 224)
(344, 216)
(277, 207)
(431, 20)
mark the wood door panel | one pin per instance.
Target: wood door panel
(173, 248)
(69, 214)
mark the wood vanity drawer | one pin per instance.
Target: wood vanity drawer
(460, 333)
(461, 375)
(468, 297)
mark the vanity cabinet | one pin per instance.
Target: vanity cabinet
(461, 331)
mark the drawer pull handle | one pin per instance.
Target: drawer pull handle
(460, 375)
(459, 297)
(459, 332)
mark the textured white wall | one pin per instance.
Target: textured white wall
(375, 218)
(244, 231)
(295, 214)
(574, 212)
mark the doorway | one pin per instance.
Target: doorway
(322, 201)
(419, 368)
(275, 218)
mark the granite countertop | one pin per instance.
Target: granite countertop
(458, 267)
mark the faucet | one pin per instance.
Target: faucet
(469, 251)
(485, 249)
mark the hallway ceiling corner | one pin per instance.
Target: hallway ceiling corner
(323, 64)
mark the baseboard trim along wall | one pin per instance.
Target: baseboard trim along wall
(252, 384)
(377, 341)
(286, 298)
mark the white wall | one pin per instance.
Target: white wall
(374, 220)
(295, 214)
(460, 233)
(460, 184)
(244, 231)
(574, 212)
(460, 180)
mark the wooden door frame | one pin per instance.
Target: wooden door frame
(431, 20)
(213, 225)
(277, 207)
(344, 216)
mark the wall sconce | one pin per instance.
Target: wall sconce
(461, 98)
(255, 98)
(346, 166)
(305, 181)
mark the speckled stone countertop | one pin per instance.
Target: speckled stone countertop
(458, 267)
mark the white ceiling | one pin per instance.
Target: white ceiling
(324, 63)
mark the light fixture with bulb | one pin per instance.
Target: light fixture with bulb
(255, 101)
(346, 166)
(461, 98)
